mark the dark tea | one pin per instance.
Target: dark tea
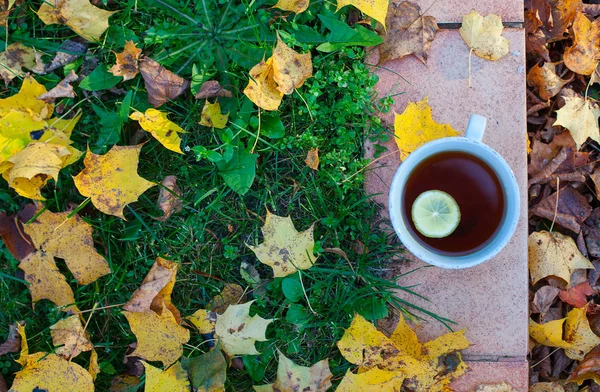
(476, 189)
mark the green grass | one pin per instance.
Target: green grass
(209, 236)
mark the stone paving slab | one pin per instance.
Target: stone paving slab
(490, 300)
(452, 11)
(514, 373)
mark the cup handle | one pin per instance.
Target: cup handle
(476, 127)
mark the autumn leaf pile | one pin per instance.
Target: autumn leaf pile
(563, 134)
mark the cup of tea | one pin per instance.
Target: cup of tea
(454, 202)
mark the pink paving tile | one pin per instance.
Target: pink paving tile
(489, 300)
(452, 11)
(514, 373)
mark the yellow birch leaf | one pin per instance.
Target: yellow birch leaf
(296, 6)
(174, 379)
(159, 336)
(312, 158)
(15, 57)
(415, 127)
(46, 281)
(26, 101)
(580, 117)
(111, 180)
(579, 334)
(376, 9)
(163, 129)
(484, 35)
(583, 56)
(81, 16)
(552, 253)
(292, 377)
(262, 88)
(204, 320)
(371, 380)
(69, 338)
(238, 331)
(549, 334)
(290, 68)
(284, 248)
(211, 116)
(127, 62)
(51, 373)
(70, 240)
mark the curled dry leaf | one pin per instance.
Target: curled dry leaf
(15, 57)
(173, 379)
(484, 35)
(211, 116)
(580, 117)
(535, 38)
(62, 90)
(292, 377)
(409, 32)
(312, 158)
(545, 80)
(69, 51)
(127, 62)
(13, 235)
(212, 89)
(296, 6)
(543, 299)
(169, 198)
(161, 84)
(261, 88)
(238, 331)
(163, 129)
(376, 9)
(12, 344)
(583, 56)
(572, 210)
(576, 296)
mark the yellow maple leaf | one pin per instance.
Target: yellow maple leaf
(81, 16)
(111, 180)
(127, 62)
(46, 281)
(416, 126)
(69, 337)
(583, 56)
(296, 6)
(159, 336)
(371, 380)
(211, 116)
(292, 377)
(552, 253)
(284, 248)
(238, 331)
(174, 379)
(163, 129)
(484, 35)
(155, 290)
(549, 334)
(15, 57)
(580, 117)
(71, 240)
(376, 9)
(262, 88)
(579, 334)
(204, 320)
(290, 68)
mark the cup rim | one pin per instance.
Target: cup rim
(506, 177)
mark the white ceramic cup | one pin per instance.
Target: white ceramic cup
(470, 144)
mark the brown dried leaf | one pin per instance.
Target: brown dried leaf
(587, 369)
(543, 299)
(62, 90)
(13, 235)
(69, 51)
(591, 233)
(545, 80)
(161, 84)
(583, 56)
(535, 38)
(576, 296)
(127, 62)
(232, 294)
(12, 344)
(312, 158)
(542, 153)
(212, 89)
(408, 32)
(563, 14)
(572, 209)
(15, 57)
(70, 338)
(169, 198)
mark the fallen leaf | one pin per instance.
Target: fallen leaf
(579, 334)
(207, 372)
(12, 344)
(502, 387)
(312, 158)
(484, 35)
(69, 239)
(545, 80)
(124, 383)
(69, 337)
(82, 17)
(572, 210)
(580, 117)
(238, 331)
(169, 198)
(549, 334)
(552, 253)
(284, 248)
(376, 9)
(174, 379)
(211, 116)
(292, 377)
(583, 56)
(51, 372)
(70, 50)
(159, 336)
(26, 101)
(563, 14)
(535, 40)
(162, 85)
(374, 379)
(546, 387)
(232, 294)
(543, 299)
(416, 126)
(127, 62)
(587, 369)
(204, 320)
(15, 57)
(290, 68)
(296, 6)
(62, 90)
(576, 296)
(111, 180)
(262, 89)
(212, 89)
(11, 230)
(5, 7)
(409, 32)
(163, 129)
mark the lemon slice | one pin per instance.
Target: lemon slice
(435, 214)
